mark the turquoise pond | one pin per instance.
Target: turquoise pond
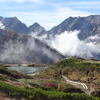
(27, 69)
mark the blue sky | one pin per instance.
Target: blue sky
(48, 13)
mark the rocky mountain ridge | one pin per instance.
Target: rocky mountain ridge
(37, 29)
(88, 26)
(16, 25)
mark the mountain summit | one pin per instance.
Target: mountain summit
(14, 24)
(37, 29)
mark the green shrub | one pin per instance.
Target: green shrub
(41, 87)
(4, 70)
(39, 94)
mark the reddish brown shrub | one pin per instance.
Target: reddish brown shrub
(21, 75)
(50, 84)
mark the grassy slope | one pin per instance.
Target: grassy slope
(76, 69)
(39, 94)
(68, 65)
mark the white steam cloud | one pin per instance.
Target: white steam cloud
(68, 44)
(29, 51)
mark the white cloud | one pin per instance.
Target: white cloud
(84, 4)
(4, 0)
(71, 12)
(69, 44)
(20, 1)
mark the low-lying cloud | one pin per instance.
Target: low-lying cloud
(68, 44)
(26, 49)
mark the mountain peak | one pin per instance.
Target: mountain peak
(37, 24)
(1, 17)
(15, 18)
(36, 28)
(12, 23)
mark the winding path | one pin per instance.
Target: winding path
(82, 84)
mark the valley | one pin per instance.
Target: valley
(70, 52)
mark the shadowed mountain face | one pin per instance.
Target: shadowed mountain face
(20, 48)
(88, 26)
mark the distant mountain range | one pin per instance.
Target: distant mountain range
(15, 32)
(88, 26)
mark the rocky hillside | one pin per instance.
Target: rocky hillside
(20, 48)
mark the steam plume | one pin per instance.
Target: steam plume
(68, 44)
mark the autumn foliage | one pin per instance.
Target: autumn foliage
(50, 84)
(21, 75)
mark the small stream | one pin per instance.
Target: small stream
(85, 88)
